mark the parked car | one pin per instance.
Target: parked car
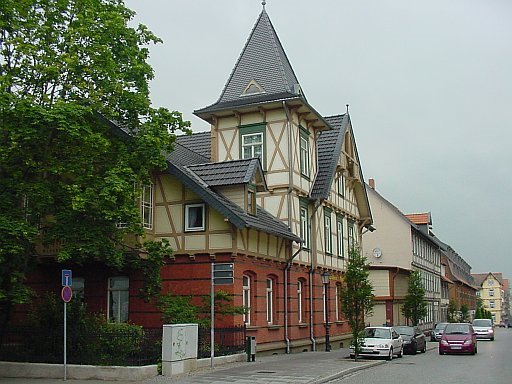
(458, 338)
(381, 342)
(414, 339)
(484, 329)
(436, 333)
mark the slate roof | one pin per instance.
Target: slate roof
(181, 163)
(228, 172)
(198, 142)
(263, 60)
(328, 154)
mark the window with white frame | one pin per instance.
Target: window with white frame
(351, 237)
(491, 292)
(337, 302)
(246, 298)
(339, 235)
(490, 282)
(300, 286)
(304, 153)
(304, 227)
(491, 303)
(195, 217)
(327, 231)
(146, 206)
(252, 145)
(118, 299)
(270, 300)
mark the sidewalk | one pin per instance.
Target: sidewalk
(306, 367)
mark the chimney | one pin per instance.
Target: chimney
(371, 183)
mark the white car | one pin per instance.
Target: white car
(484, 329)
(381, 342)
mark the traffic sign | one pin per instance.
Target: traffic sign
(223, 274)
(67, 278)
(66, 293)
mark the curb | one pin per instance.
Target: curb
(346, 372)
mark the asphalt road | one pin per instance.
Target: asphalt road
(491, 365)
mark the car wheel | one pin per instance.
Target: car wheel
(414, 349)
(424, 349)
(492, 338)
(401, 353)
(441, 353)
(390, 356)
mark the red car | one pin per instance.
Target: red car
(458, 338)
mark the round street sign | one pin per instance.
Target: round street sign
(66, 294)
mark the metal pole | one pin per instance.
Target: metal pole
(327, 325)
(65, 340)
(212, 320)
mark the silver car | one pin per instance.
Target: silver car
(484, 329)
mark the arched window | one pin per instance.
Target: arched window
(246, 298)
(300, 300)
(270, 300)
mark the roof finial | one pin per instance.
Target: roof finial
(263, 3)
(347, 107)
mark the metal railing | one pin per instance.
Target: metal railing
(228, 341)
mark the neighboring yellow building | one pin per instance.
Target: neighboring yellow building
(491, 293)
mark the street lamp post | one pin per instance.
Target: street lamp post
(325, 281)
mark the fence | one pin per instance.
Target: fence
(129, 347)
(228, 341)
(97, 347)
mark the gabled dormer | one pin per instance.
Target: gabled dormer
(238, 181)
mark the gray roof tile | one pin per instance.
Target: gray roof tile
(263, 60)
(198, 142)
(328, 154)
(227, 172)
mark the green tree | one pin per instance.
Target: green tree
(68, 70)
(357, 296)
(464, 312)
(452, 311)
(180, 309)
(415, 306)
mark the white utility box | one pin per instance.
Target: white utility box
(179, 349)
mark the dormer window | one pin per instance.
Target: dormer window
(252, 88)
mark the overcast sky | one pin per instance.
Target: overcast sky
(429, 85)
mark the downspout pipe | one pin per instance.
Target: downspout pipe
(286, 272)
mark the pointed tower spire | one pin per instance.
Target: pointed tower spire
(262, 73)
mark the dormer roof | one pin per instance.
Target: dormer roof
(262, 73)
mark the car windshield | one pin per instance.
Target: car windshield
(482, 323)
(456, 329)
(378, 333)
(408, 331)
(440, 326)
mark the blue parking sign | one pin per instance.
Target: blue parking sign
(66, 278)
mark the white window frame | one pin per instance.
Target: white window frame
(270, 300)
(492, 303)
(337, 302)
(340, 185)
(328, 232)
(188, 228)
(304, 156)
(304, 227)
(299, 300)
(116, 300)
(246, 298)
(491, 292)
(146, 206)
(252, 145)
(339, 236)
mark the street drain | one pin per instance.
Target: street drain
(265, 372)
